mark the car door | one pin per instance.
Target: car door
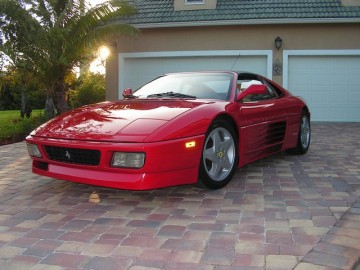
(263, 124)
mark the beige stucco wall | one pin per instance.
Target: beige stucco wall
(242, 37)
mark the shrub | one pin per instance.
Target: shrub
(14, 128)
(90, 89)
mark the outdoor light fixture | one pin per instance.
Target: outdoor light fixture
(278, 43)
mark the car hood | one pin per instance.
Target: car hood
(126, 120)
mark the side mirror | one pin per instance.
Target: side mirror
(254, 89)
(127, 93)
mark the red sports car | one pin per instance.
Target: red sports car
(181, 128)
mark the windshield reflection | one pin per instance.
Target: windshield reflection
(188, 86)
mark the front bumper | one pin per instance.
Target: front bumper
(167, 163)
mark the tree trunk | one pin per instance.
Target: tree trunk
(61, 97)
(50, 110)
(25, 106)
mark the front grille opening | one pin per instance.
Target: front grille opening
(40, 165)
(73, 155)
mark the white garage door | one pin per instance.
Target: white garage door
(329, 84)
(136, 69)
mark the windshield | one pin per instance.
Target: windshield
(188, 85)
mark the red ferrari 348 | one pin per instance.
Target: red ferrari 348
(181, 128)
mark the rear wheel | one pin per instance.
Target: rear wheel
(304, 136)
(220, 155)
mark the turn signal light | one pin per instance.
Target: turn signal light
(190, 144)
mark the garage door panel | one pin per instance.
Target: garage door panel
(301, 82)
(318, 99)
(354, 99)
(139, 70)
(337, 80)
(319, 83)
(342, 99)
(322, 114)
(338, 114)
(354, 80)
(329, 84)
(353, 115)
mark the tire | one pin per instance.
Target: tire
(304, 137)
(219, 156)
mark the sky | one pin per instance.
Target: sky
(95, 2)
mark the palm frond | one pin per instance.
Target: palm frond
(20, 30)
(48, 37)
(101, 15)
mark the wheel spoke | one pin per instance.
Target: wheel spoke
(227, 147)
(219, 155)
(226, 164)
(305, 132)
(215, 169)
(210, 154)
(226, 144)
(216, 140)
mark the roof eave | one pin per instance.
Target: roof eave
(247, 22)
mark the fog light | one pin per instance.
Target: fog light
(128, 160)
(33, 150)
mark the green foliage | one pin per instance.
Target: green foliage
(15, 127)
(89, 88)
(48, 38)
(10, 91)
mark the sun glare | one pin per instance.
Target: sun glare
(104, 52)
(98, 65)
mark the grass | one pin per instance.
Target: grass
(14, 128)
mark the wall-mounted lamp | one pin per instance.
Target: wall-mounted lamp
(278, 43)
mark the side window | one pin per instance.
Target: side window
(275, 89)
(272, 92)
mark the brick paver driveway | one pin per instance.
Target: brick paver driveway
(283, 212)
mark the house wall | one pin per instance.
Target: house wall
(240, 37)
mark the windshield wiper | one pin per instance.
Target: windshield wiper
(170, 95)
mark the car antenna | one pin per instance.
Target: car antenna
(237, 58)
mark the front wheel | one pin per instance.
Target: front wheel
(220, 155)
(304, 136)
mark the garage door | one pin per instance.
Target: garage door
(329, 84)
(138, 69)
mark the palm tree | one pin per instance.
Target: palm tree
(48, 38)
